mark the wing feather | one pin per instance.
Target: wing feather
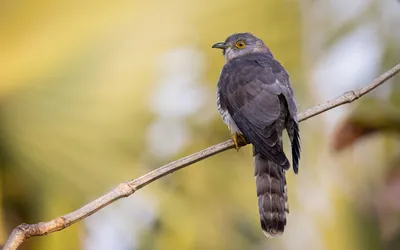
(257, 91)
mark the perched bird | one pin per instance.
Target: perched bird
(255, 100)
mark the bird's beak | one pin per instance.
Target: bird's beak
(220, 45)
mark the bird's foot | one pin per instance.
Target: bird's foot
(239, 141)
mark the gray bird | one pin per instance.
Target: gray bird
(255, 100)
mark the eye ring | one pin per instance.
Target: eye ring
(240, 44)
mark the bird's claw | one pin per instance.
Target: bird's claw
(238, 140)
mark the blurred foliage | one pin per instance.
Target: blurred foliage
(370, 116)
(374, 116)
(77, 85)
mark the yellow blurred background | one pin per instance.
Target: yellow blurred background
(93, 93)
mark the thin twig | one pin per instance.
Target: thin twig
(125, 189)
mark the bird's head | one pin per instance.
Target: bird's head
(240, 44)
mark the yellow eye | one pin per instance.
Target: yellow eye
(240, 45)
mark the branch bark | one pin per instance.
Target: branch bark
(125, 189)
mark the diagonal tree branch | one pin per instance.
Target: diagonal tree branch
(125, 189)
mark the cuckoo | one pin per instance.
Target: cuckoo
(255, 100)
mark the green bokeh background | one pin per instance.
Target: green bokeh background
(77, 82)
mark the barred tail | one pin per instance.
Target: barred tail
(272, 195)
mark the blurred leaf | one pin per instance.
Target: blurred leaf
(370, 116)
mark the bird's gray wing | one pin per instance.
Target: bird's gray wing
(254, 88)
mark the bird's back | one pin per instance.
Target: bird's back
(255, 97)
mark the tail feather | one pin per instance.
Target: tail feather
(272, 195)
(293, 132)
